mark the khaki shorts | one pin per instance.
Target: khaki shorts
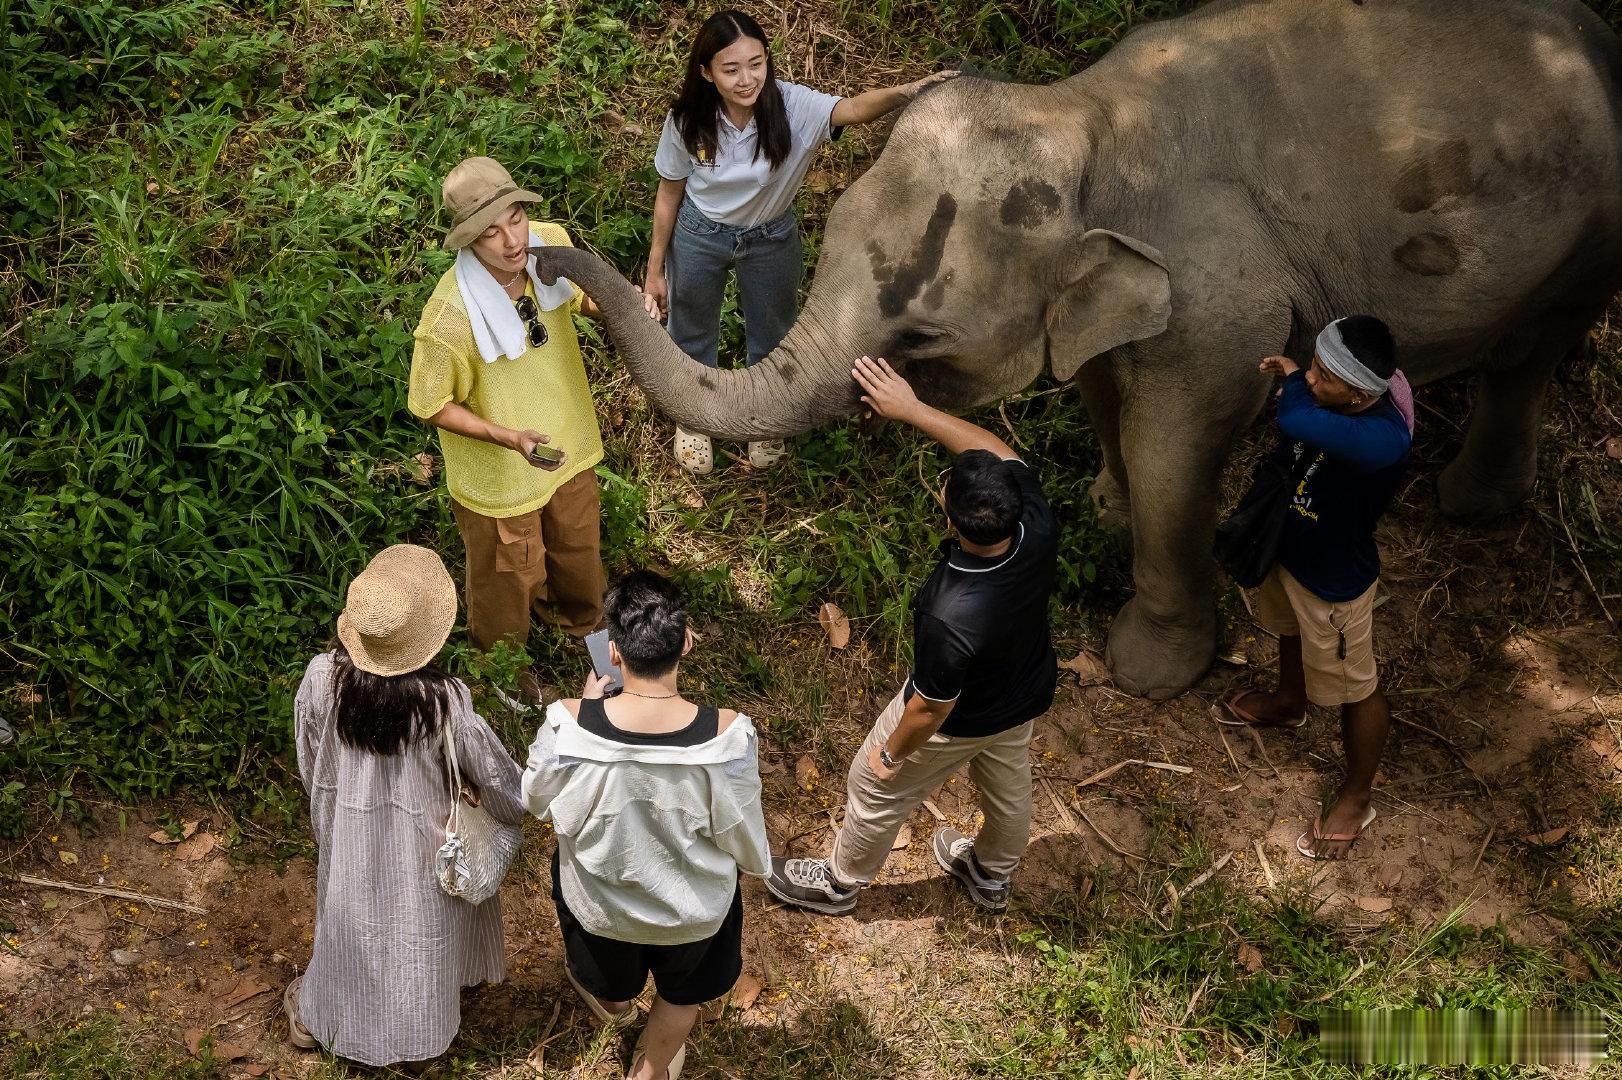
(1337, 639)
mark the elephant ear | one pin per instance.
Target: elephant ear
(1119, 291)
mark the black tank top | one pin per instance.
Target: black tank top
(594, 718)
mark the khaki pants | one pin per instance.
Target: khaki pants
(1337, 638)
(875, 809)
(548, 561)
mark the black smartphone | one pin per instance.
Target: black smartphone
(597, 646)
(543, 454)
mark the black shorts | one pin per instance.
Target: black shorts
(689, 974)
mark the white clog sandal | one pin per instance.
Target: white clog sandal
(767, 452)
(693, 452)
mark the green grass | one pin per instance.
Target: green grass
(218, 240)
(218, 223)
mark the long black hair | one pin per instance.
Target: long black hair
(697, 107)
(382, 714)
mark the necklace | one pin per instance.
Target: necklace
(514, 280)
(650, 697)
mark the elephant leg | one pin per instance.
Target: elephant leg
(1497, 465)
(1164, 639)
(1110, 493)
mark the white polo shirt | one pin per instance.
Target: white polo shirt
(738, 188)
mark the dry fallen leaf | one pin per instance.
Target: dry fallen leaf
(693, 501)
(1372, 904)
(256, 1069)
(835, 625)
(221, 1051)
(424, 472)
(246, 987)
(934, 811)
(766, 765)
(821, 181)
(68, 858)
(195, 848)
(1548, 839)
(1613, 448)
(162, 836)
(1250, 958)
(902, 838)
(151, 187)
(1088, 666)
(805, 773)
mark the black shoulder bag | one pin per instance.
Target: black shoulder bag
(1247, 541)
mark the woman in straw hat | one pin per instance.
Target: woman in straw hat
(497, 369)
(392, 952)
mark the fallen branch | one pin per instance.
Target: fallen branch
(1237, 771)
(1267, 868)
(1104, 836)
(1211, 870)
(105, 890)
(1064, 811)
(1260, 749)
(1104, 774)
(1483, 849)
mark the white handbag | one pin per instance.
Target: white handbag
(478, 849)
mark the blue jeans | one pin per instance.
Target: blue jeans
(769, 264)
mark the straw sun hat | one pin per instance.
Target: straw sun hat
(477, 192)
(399, 612)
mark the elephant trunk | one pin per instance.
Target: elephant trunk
(790, 391)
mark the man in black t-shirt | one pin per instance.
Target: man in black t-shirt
(983, 671)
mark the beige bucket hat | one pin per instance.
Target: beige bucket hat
(476, 192)
(399, 612)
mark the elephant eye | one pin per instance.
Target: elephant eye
(921, 339)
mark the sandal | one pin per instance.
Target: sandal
(298, 1035)
(1228, 712)
(673, 1070)
(764, 453)
(595, 1007)
(1306, 841)
(693, 452)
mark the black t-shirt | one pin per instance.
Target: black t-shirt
(981, 635)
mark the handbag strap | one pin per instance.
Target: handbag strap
(448, 742)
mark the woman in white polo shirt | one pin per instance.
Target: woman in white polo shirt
(735, 147)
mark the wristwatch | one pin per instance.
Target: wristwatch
(886, 760)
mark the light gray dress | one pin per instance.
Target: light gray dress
(392, 951)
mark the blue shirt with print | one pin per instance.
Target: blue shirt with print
(1355, 463)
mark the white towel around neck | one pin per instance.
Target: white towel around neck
(497, 329)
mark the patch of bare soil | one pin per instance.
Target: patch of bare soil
(1506, 741)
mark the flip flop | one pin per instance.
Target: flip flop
(298, 1035)
(595, 1007)
(1229, 713)
(1304, 843)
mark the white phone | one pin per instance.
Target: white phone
(597, 646)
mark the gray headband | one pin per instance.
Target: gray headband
(1334, 354)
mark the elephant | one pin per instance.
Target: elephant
(1215, 189)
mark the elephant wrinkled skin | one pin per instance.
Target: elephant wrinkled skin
(1216, 189)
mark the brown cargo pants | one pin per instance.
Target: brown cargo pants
(548, 561)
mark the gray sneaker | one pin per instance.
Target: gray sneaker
(955, 853)
(5, 733)
(807, 883)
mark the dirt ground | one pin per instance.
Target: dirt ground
(1509, 729)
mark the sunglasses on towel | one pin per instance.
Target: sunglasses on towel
(531, 314)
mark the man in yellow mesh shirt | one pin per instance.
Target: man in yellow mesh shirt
(497, 368)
